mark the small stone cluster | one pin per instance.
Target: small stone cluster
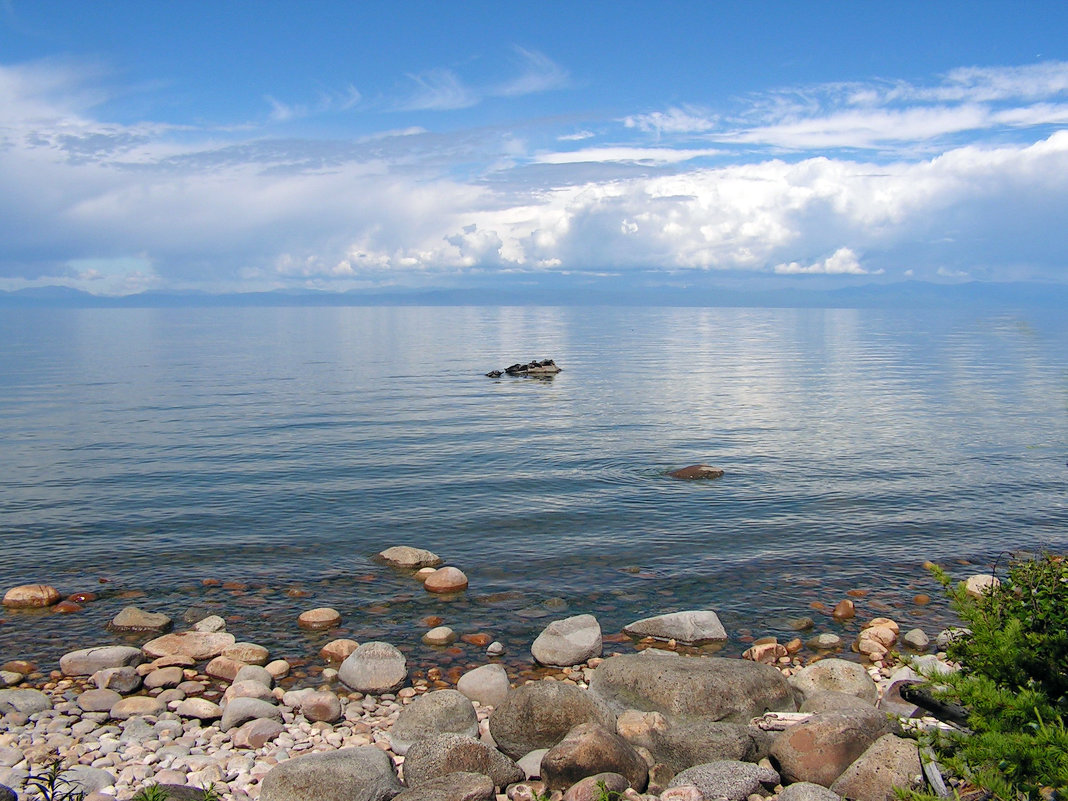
(196, 708)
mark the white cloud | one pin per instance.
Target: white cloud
(539, 73)
(842, 262)
(439, 90)
(639, 155)
(673, 121)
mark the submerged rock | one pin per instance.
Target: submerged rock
(544, 367)
(696, 471)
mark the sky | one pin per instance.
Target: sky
(251, 146)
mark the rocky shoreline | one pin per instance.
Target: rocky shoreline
(198, 709)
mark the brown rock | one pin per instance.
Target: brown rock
(82, 597)
(164, 677)
(921, 599)
(323, 706)
(822, 747)
(317, 619)
(256, 733)
(446, 579)
(588, 749)
(98, 700)
(224, 668)
(337, 651)
(198, 645)
(247, 652)
(890, 762)
(479, 639)
(769, 652)
(137, 705)
(696, 471)
(68, 607)
(31, 596)
(844, 610)
(588, 790)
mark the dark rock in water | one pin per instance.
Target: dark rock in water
(696, 471)
(544, 367)
(494, 374)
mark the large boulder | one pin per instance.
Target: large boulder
(374, 667)
(710, 687)
(349, 774)
(819, 749)
(198, 645)
(694, 627)
(87, 661)
(588, 749)
(410, 558)
(242, 710)
(453, 753)
(28, 702)
(459, 786)
(681, 743)
(835, 675)
(441, 712)
(735, 781)
(487, 684)
(134, 620)
(539, 714)
(568, 642)
(807, 791)
(890, 762)
(30, 596)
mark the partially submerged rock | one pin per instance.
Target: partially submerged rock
(695, 472)
(546, 367)
(696, 627)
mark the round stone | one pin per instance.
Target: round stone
(137, 706)
(98, 700)
(337, 650)
(31, 596)
(446, 579)
(374, 667)
(440, 635)
(317, 619)
(248, 652)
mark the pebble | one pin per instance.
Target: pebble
(322, 618)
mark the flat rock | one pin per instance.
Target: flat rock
(432, 714)
(452, 787)
(727, 779)
(587, 749)
(696, 472)
(452, 753)
(710, 687)
(410, 558)
(831, 701)
(199, 708)
(98, 700)
(683, 742)
(164, 677)
(440, 635)
(374, 667)
(446, 579)
(134, 620)
(837, 675)
(88, 779)
(323, 617)
(199, 645)
(807, 791)
(337, 651)
(539, 714)
(122, 680)
(225, 668)
(255, 673)
(210, 624)
(487, 684)
(28, 702)
(256, 733)
(694, 627)
(890, 762)
(248, 653)
(137, 706)
(568, 642)
(242, 710)
(530, 763)
(248, 689)
(87, 661)
(29, 596)
(348, 774)
(819, 749)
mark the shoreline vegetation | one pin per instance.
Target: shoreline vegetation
(196, 708)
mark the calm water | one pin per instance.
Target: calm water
(283, 448)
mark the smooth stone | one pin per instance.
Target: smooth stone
(31, 596)
(164, 677)
(9, 757)
(589, 788)
(981, 584)
(540, 713)
(242, 710)
(256, 673)
(225, 668)
(844, 610)
(807, 791)
(735, 781)
(916, 639)
(88, 779)
(348, 774)
(338, 651)
(440, 635)
(318, 619)
(495, 649)
(452, 787)
(948, 636)
(8, 677)
(838, 675)
(411, 558)
(210, 624)
(28, 702)
(696, 472)
(278, 668)
(87, 661)
(98, 700)
(433, 714)
(321, 706)
(824, 642)
(890, 762)
(256, 733)
(488, 685)
(247, 652)
(819, 749)
(683, 742)
(374, 667)
(446, 579)
(451, 753)
(137, 706)
(833, 701)
(568, 642)
(590, 748)
(249, 689)
(715, 688)
(198, 645)
(693, 627)
(199, 708)
(124, 680)
(134, 620)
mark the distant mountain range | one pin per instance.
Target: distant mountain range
(911, 294)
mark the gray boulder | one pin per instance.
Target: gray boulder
(540, 713)
(819, 749)
(120, 679)
(588, 749)
(349, 774)
(452, 787)
(241, 710)
(807, 791)
(87, 779)
(28, 702)
(487, 684)
(836, 675)
(831, 701)
(568, 642)
(457, 753)
(695, 627)
(97, 700)
(133, 620)
(255, 673)
(440, 712)
(589, 789)
(888, 763)
(410, 558)
(681, 743)
(710, 687)
(727, 779)
(374, 667)
(87, 661)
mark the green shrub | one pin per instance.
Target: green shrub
(50, 785)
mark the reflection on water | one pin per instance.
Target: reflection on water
(157, 448)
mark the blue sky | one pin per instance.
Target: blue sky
(256, 145)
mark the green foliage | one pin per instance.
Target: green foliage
(604, 794)
(49, 785)
(1013, 681)
(151, 792)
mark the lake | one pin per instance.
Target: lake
(279, 449)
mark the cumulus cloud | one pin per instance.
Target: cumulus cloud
(842, 262)
(641, 155)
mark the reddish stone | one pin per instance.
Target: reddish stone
(102, 580)
(446, 579)
(432, 621)
(297, 592)
(31, 596)
(82, 597)
(68, 607)
(844, 610)
(209, 582)
(481, 639)
(856, 593)
(367, 577)
(819, 606)
(618, 637)
(234, 585)
(922, 600)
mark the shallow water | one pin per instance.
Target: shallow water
(283, 448)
